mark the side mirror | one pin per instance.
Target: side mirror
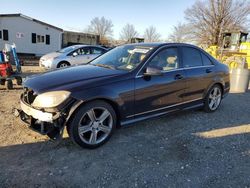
(150, 71)
(74, 54)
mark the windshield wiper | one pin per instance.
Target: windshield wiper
(105, 66)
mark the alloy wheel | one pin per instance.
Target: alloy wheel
(95, 125)
(214, 98)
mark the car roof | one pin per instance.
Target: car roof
(85, 45)
(151, 44)
(159, 44)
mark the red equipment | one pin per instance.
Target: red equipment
(5, 69)
(8, 58)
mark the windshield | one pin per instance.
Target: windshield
(68, 49)
(126, 57)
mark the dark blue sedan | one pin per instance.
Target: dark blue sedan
(127, 84)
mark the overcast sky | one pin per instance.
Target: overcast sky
(77, 14)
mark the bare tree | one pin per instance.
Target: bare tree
(151, 34)
(102, 27)
(128, 32)
(210, 18)
(181, 33)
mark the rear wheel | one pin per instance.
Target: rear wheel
(63, 64)
(93, 124)
(213, 99)
(9, 84)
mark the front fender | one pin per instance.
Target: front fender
(119, 94)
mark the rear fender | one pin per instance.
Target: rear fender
(216, 80)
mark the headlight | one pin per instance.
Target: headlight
(50, 99)
(47, 61)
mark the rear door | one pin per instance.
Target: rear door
(199, 71)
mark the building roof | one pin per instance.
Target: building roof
(31, 19)
(79, 33)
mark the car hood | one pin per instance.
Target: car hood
(51, 55)
(70, 78)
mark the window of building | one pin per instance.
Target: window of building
(39, 39)
(0, 34)
(42, 39)
(33, 37)
(191, 57)
(47, 39)
(5, 35)
(166, 59)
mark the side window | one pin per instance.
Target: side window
(191, 57)
(81, 51)
(85, 51)
(5, 35)
(97, 51)
(166, 59)
(206, 60)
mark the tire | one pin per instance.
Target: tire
(96, 121)
(2, 82)
(9, 84)
(213, 99)
(63, 64)
(19, 81)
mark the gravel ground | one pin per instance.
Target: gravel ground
(187, 149)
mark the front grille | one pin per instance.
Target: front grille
(29, 95)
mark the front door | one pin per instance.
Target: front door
(157, 93)
(81, 56)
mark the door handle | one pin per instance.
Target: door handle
(208, 71)
(178, 77)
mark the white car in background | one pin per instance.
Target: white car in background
(72, 55)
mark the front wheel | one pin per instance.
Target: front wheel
(213, 99)
(92, 124)
(63, 64)
(19, 81)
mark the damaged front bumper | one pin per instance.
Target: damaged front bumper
(46, 123)
(37, 114)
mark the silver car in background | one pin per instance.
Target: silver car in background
(72, 55)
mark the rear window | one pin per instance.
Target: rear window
(206, 60)
(97, 51)
(191, 57)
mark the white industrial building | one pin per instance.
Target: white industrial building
(30, 36)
